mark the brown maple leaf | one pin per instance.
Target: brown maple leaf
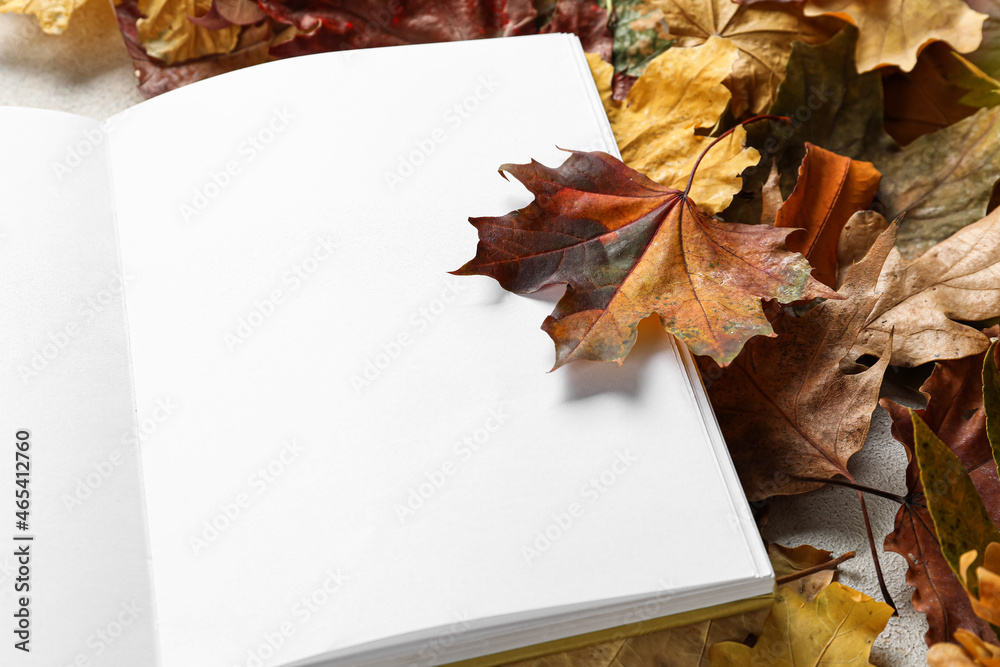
(786, 407)
(628, 247)
(955, 412)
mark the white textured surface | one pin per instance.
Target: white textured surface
(87, 71)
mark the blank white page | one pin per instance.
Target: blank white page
(65, 383)
(365, 446)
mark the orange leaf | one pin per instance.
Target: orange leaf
(830, 189)
(628, 247)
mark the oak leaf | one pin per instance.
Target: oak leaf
(830, 189)
(837, 628)
(53, 15)
(167, 33)
(955, 411)
(763, 35)
(923, 300)
(657, 127)
(773, 402)
(628, 247)
(894, 31)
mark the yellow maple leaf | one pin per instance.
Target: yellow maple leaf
(53, 15)
(168, 35)
(892, 32)
(836, 628)
(680, 92)
(763, 34)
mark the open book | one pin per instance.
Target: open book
(250, 420)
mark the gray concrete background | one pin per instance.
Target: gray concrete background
(87, 71)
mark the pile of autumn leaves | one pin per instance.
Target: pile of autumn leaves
(887, 156)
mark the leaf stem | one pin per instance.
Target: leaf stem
(783, 119)
(878, 565)
(857, 487)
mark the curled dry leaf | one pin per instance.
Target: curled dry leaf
(167, 33)
(859, 234)
(628, 247)
(894, 31)
(837, 628)
(53, 15)
(983, 585)
(973, 652)
(770, 197)
(679, 94)
(830, 189)
(156, 77)
(773, 403)
(763, 35)
(923, 300)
